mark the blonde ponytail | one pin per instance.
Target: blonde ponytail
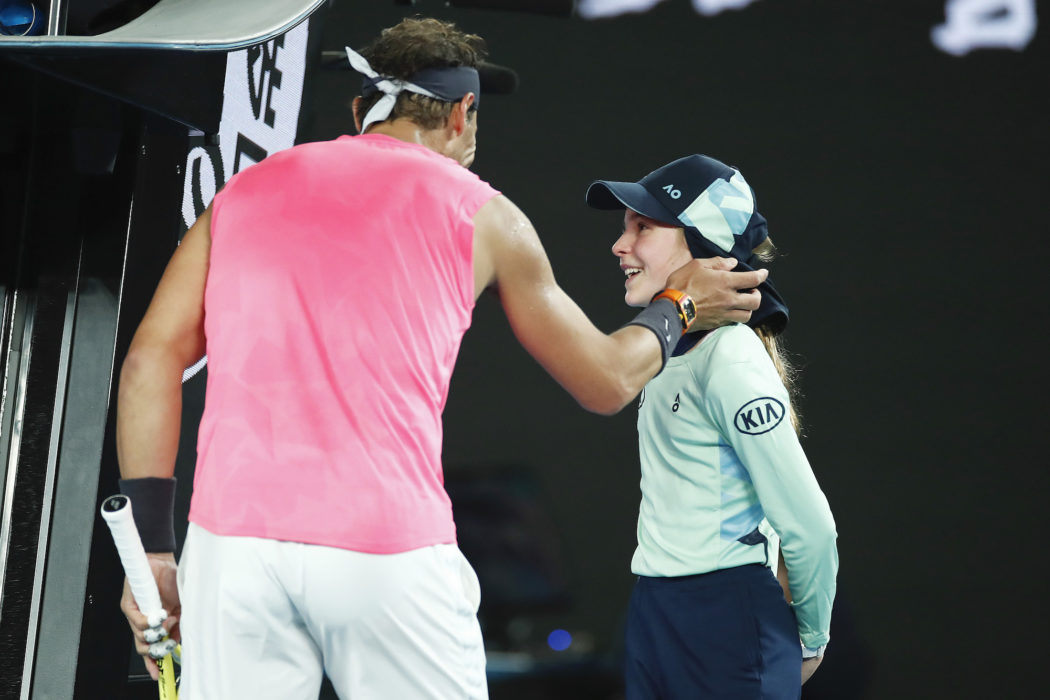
(785, 369)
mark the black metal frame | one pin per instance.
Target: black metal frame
(185, 94)
(88, 252)
(44, 270)
(153, 230)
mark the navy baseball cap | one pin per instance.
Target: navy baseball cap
(715, 206)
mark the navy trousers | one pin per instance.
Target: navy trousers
(727, 634)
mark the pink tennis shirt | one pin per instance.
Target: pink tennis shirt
(339, 288)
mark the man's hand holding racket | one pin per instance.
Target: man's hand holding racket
(148, 637)
(150, 592)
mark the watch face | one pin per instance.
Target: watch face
(683, 303)
(688, 309)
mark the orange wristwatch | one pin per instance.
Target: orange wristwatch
(683, 303)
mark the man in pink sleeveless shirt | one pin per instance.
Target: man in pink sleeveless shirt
(330, 286)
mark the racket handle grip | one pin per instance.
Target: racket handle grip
(116, 511)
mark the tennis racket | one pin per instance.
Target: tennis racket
(116, 511)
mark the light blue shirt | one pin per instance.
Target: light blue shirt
(724, 474)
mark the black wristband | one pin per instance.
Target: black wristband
(661, 317)
(153, 509)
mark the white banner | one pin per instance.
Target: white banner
(260, 115)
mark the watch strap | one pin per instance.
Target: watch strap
(683, 303)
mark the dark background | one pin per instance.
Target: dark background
(905, 188)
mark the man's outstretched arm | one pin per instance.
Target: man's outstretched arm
(602, 372)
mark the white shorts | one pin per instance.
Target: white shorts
(264, 619)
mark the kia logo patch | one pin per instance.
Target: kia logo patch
(759, 416)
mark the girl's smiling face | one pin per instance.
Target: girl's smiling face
(649, 251)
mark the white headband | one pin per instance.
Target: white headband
(390, 87)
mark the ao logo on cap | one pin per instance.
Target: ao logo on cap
(759, 416)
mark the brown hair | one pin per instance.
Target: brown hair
(767, 252)
(409, 47)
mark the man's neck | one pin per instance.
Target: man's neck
(408, 131)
